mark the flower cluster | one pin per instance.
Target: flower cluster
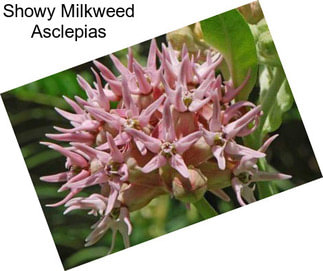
(174, 131)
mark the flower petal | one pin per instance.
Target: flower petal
(237, 186)
(114, 151)
(156, 162)
(177, 162)
(151, 143)
(186, 142)
(218, 153)
(146, 114)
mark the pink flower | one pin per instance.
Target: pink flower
(246, 172)
(173, 132)
(168, 149)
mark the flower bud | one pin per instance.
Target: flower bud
(192, 189)
(267, 49)
(217, 179)
(136, 196)
(191, 36)
(252, 12)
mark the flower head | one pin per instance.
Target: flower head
(174, 131)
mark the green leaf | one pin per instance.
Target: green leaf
(231, 36)
(282, 103)
(204, 208)
(85, 255)
(275, 99)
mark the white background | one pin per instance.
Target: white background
(283, 232)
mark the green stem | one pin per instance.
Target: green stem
(265, 189)
(204, 208)
(255, 140)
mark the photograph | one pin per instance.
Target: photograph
(161, 135)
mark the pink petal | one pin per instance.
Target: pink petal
(114, 151)
(221, 194)
(199, 93)
(106, 73)
(215, 122)
(87, 125)
(59, 177)
(237, 186)
(151, 143)
(151, 61)
(186, 72)
(78, 177)
(233, 128)
(112, 119)
(177, 162)
(156, 162)
(218, 153)
(115, 86)
(146, 114)
(231, 93)
(186, 142)
(70, 137)
(168, 124)
(141, 147)
(236, 149)
(178, 100)
(144, 86)
(124, 173)
(130, 59)
(70, 116)
(91, 152)
(234, 110)
(81, 101)
(74, 105)
(76, 159)
(208, 136)
(127, 99)
(114, 192)
(210, 68)
(86, 86)
(269, 176)
(66, 199)
(170, 93)
(196, 104)
(265, 146)
(103, 100)
(120, 67)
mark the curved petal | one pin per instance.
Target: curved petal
(177, 162)
(114, 151)
(75, 158)
(151, 143)
(236, 149)
(218, 153)
(168, 124)
(156, 162)
(266, 145)
(146, 114)
(237, 186)
(186, 142)
(197, 104)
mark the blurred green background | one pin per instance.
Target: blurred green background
(31, 112)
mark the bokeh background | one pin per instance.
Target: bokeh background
(31, 111)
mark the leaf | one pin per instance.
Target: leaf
(281, 103)
(275, 99)
(231, 36)
(85, 255)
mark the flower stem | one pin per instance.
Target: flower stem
(205, 209)
(265, 189)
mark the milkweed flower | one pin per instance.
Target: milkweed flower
(173, 131)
